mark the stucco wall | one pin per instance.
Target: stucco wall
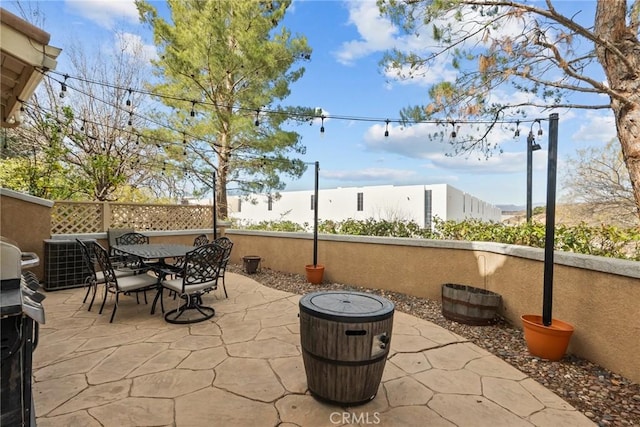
(598, 296)
(27, 221)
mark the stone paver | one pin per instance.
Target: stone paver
(244, 367)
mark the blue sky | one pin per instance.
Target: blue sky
(344, 78)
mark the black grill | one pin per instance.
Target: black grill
(20, 311)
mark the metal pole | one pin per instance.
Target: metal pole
(552, 162)
(215, 216)
(529, 174)
(315, 216)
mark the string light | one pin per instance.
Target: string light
(322, 124)
(453, 132)
(129, 98)
(63, 87)
(130, 122)
(300, 116)
(517, 129)
(257, 122)
(386, 130)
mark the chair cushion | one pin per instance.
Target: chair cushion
(138, 281)
(119, 273)
(176, 285)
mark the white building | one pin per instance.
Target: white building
(420, 203)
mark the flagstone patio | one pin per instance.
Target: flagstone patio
(244, 367)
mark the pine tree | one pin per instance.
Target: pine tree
(223, 67)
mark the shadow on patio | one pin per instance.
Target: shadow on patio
(244, 367)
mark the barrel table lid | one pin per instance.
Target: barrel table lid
(344, 306)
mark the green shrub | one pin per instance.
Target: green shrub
(605, 240)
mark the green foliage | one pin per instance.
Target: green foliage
(373, 227)
(605, 240)
(235, 60)
(276, 226)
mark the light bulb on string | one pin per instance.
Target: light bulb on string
(128, 103)
(386, 130)
(193, 106)
(130, 122)
(63, 86)
(517, 128)
(453, 132)
(257, 122)
(322, 124)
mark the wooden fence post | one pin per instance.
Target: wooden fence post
(106, 216)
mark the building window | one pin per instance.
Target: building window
(312, 201)
(428, 215)
(360, 201)
(270, 203)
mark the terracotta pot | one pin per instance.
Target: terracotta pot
(314, 273)
(546, 342)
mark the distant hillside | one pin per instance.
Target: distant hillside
(573, 214)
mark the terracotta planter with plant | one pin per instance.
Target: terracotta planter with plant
(546, 337)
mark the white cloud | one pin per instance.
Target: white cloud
(377, 33)
(370, 174)
(596, 127)
(133, 45)
(437, 71)
(505, 163)
(105, 13)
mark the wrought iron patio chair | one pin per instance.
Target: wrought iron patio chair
(199, 275)
(94, 278)
(118, 285)
(227, 245)
(112, 235)
(176, 267)
(200, 240)
(132, 262)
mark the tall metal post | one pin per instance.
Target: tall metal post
(215, 215)
(552, 162)
(315, 215)
(530, 140)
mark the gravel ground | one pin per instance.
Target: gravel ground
(604, 396)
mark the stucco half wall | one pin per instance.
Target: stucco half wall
(599, 296)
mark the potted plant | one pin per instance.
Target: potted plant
(546, 337)
(315, 271)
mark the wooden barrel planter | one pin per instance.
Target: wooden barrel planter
(345, 338)
(469, 305)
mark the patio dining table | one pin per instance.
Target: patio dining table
(156, 251)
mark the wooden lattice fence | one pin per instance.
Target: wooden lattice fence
(96, 217)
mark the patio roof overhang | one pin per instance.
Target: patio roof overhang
(25, 54)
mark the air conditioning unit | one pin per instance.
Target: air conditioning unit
(64, 266)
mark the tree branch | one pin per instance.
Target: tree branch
(634, 18)
(562, 20)
(569, 71)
